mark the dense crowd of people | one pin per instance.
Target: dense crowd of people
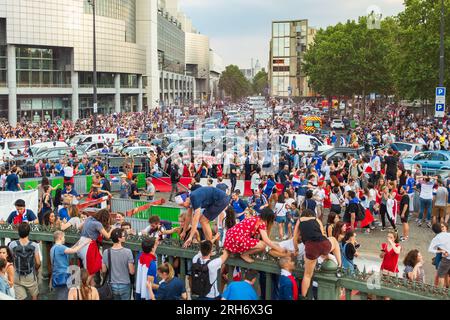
(308, 208)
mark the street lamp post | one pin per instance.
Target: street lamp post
(94, 77)
(442, 51)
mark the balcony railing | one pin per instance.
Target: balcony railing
(333, 283)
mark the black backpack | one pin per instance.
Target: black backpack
(24, 258)
(361, 214)
(201, 285)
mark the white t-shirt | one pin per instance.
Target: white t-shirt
(372, 195)
(256, 180)
(280, 209)
(289, 245)
(214, 266)
(426, 190)
(68, 172)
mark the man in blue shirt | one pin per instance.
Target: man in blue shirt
(71, 192)
(63, 213)
(242, 290)
(21, 214)
(12, 181)
(238, 205)
(258, 202)
(301, 190)
(410, 184)
(213, 200)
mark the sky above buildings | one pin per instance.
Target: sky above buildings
(240, 29)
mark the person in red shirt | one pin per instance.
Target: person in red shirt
(390, 253)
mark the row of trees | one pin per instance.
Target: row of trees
(236, 84)
(401, 58)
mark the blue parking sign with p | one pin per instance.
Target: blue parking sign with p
(441, 92)
(440, 107)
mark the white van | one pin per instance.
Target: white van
(94, 138)
(304, 143)
(10, 147)
(39, 147)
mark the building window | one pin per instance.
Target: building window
(3, 63)
(128, 81)
(40, 67)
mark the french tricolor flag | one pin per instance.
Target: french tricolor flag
(296, 181)
(237, 274)
(115, 179)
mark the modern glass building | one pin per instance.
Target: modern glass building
(46, 58)
(290, 40)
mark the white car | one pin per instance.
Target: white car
(337, 124)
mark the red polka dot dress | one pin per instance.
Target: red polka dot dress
(243, 236)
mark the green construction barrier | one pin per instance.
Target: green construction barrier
(166, 213)
(141, 180)
(353, 124)
(88, 183)
(30, 185)
(57, 182)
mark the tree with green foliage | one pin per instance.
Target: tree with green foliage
(260, 83)
(417, 66)
(234, 83)
(351, 59)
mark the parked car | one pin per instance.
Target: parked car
(337, 124)
(430, 161)
(91, 149)
(341, 153)
(55, 154)
(137, 151)
(408, 149)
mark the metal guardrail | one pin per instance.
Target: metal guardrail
(329, 277)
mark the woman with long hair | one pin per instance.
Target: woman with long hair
(390, 253)
(46, 202)
(5, 253)
(316, 245)
(414, 266)
(86, 291)
(280, 212)
(76, 219)
(333, 218)
(170, 287)
(349, 251)
(244, 237)
(94, 230)
(340, 228)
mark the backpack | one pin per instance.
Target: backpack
(201, 285)
(24, 258)
(361, 214)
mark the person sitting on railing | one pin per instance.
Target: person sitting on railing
(243, 238)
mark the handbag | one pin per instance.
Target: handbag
(105, 290)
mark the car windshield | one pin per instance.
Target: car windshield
(402, 147)
(422, 156)
(16, 145)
